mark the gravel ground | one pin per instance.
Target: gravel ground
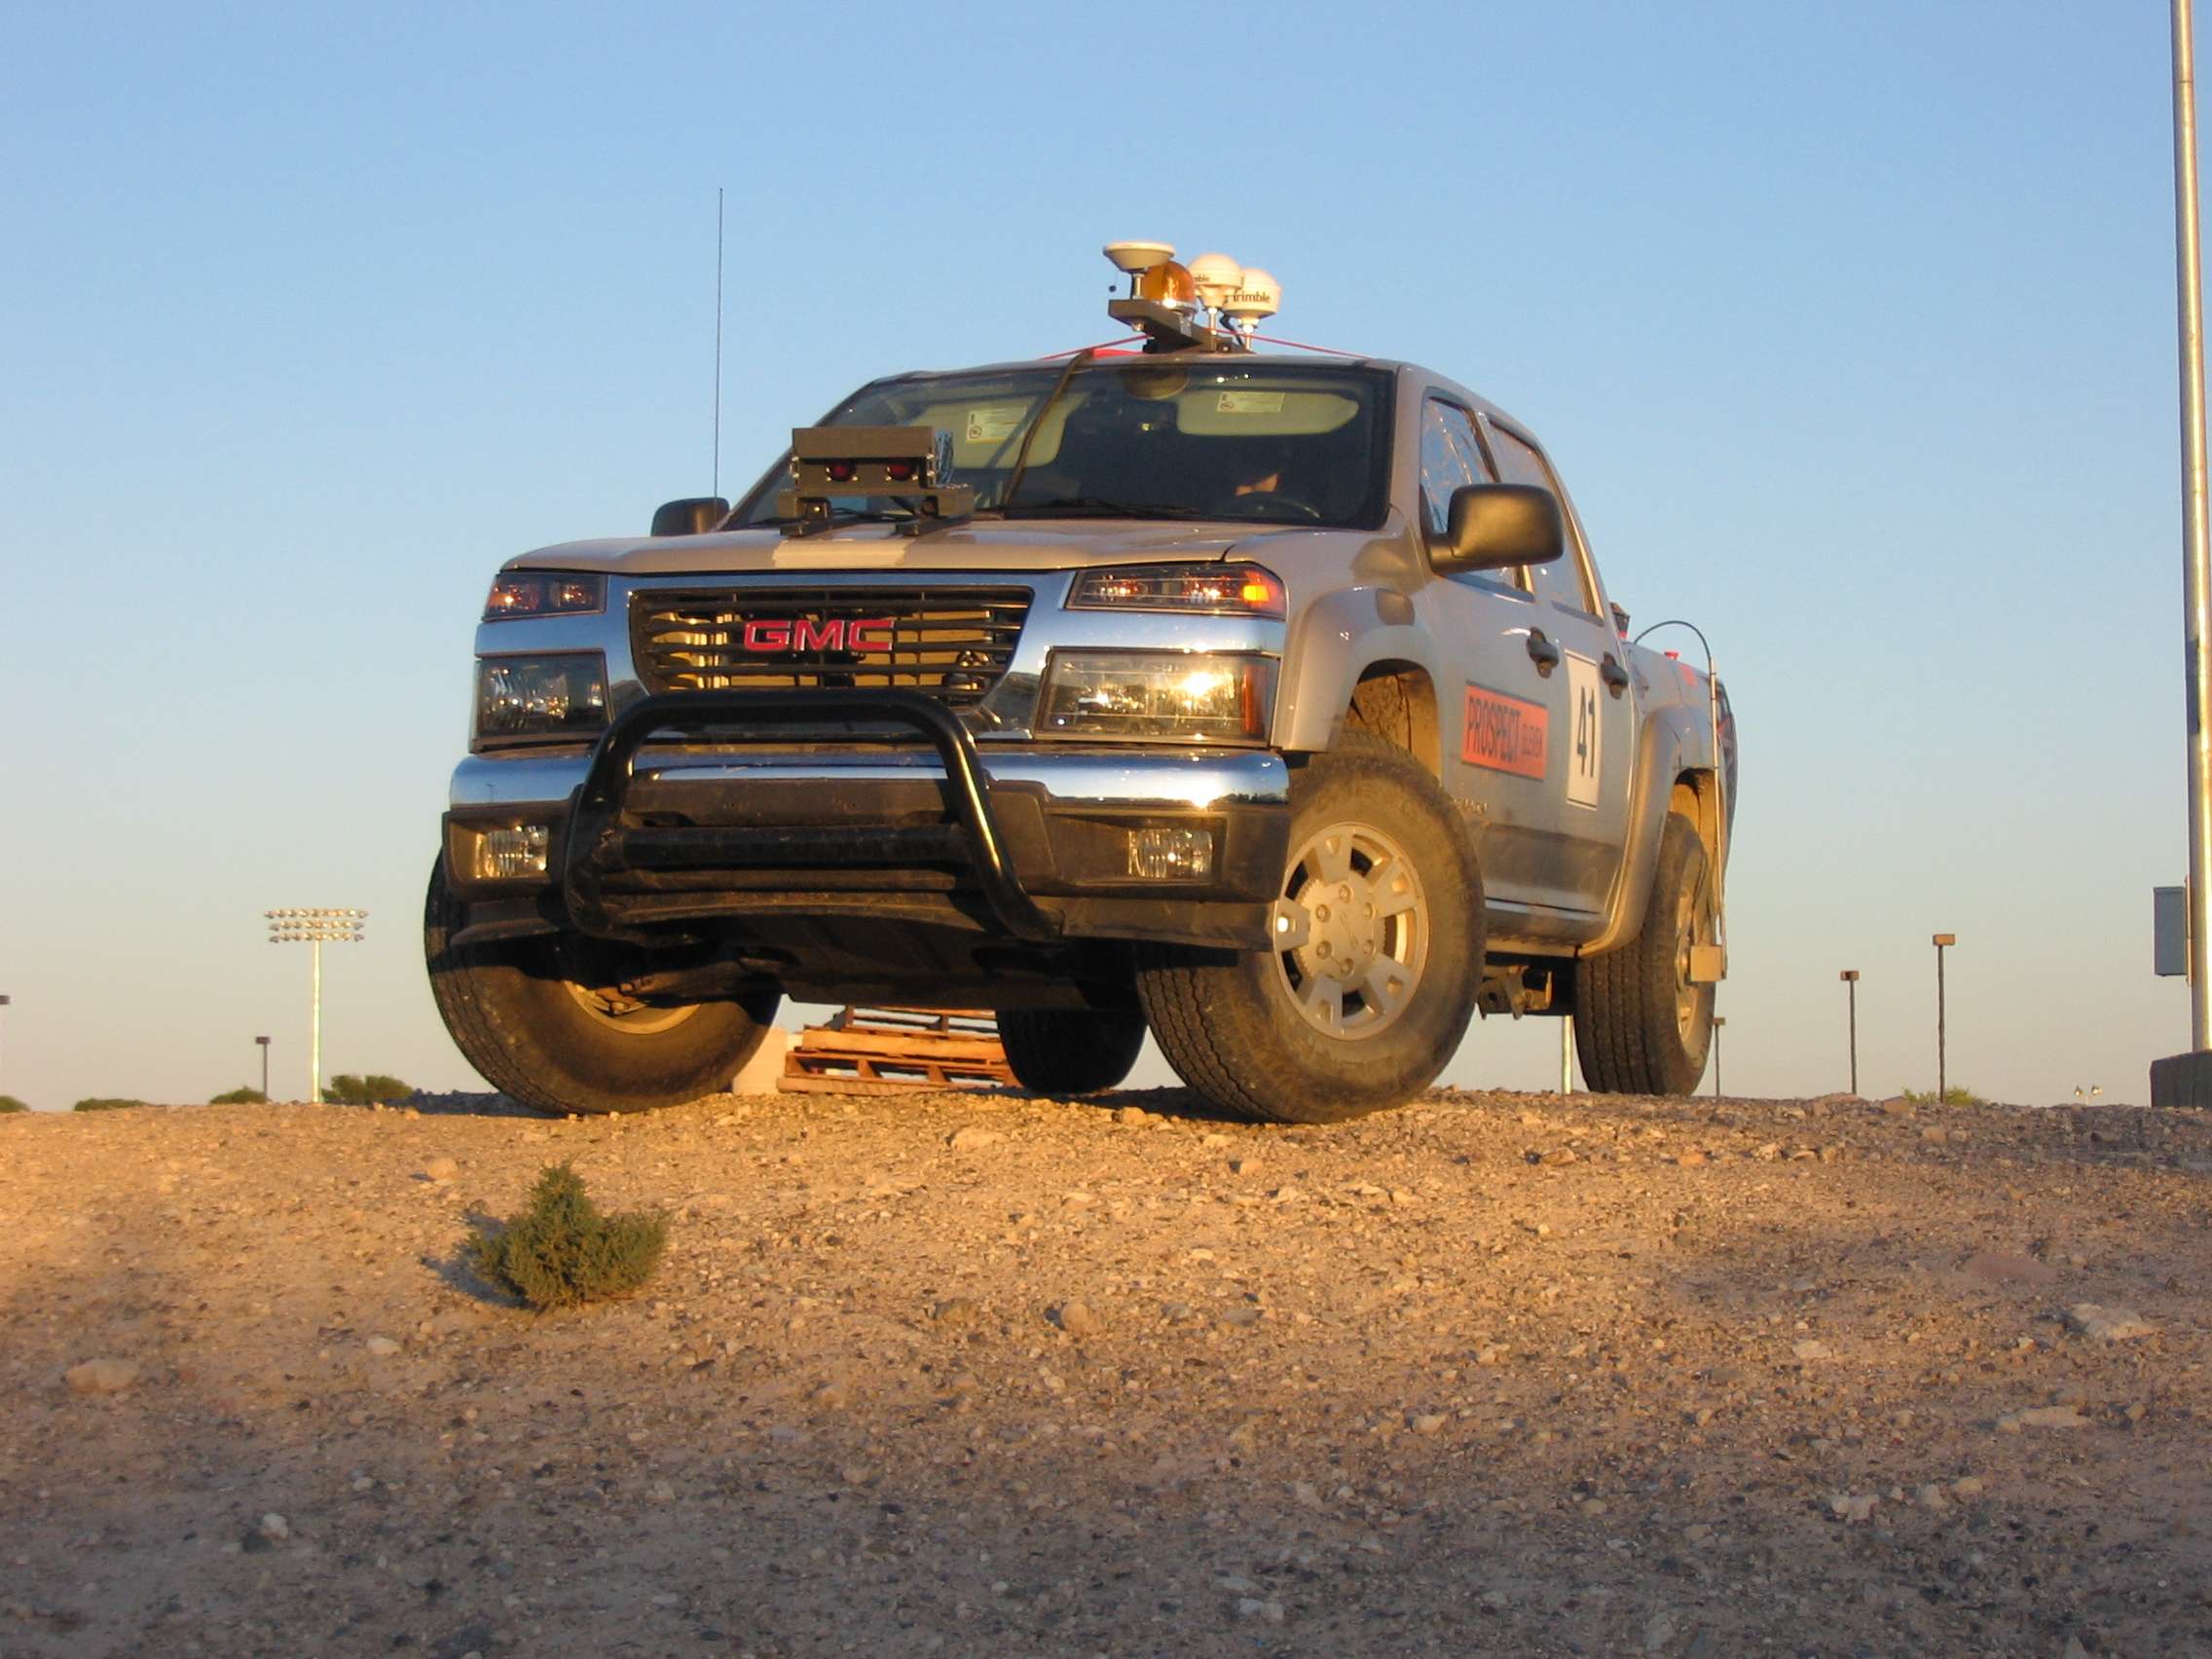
(992, 1374)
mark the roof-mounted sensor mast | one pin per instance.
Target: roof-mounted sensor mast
(1210, 305)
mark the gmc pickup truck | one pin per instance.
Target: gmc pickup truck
(1272, 702)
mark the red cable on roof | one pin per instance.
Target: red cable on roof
(1300, 345)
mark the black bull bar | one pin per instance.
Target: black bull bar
(595, 824)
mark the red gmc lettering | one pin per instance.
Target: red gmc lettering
(768, 636)
(819, 634)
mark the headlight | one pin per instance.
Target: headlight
(1182, 697)
(542, 593)
(1211, 590)
(540, 696)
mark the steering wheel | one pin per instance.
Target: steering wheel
(1268, 503)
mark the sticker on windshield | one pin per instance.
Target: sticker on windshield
(1505, 734)
(1249, 403)
(994, 422)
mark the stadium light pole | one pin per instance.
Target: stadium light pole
(6, 1001)
(1942, 942)
(263, 1044)
(1718, 1024)
(1850, 979)
(316, 929)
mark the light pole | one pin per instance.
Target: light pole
(1850, 978)
(316, 929)
(2196, 533)
(263, 1044)
(1718, 1024)
(1940, 940)
(5, 1000)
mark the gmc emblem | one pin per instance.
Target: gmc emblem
(818, 634)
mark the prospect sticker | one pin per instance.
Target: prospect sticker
(1505, 734)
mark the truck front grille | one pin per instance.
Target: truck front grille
(949, 642)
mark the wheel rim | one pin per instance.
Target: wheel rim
(1351, 931)
(618, 1013)
(1689, 914)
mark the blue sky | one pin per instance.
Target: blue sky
(1850, 328)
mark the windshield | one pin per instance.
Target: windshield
(1215, 439)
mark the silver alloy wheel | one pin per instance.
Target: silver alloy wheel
(609, 1007)
(1351, 931)
(1689, 913)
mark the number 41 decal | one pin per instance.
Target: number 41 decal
(1586, 731)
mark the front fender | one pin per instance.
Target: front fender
(1334, 641)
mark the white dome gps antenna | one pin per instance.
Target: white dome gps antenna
(1257, 297)
(1135, 258)
(1216, 277)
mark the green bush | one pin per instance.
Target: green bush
(1955, 1095)
(240, 1097)
(94, 1103)
(375, 1090)
(9, 1103)
(562, 1251)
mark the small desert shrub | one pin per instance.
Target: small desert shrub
(375, 1090)
(94, 1103)
(240, 1097)
(562, 1251)
(9, 1103)
(1955, 1095)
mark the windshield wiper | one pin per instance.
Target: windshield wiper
(1097, 506)
(1037, 423)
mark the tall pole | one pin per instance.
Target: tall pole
(263, 1043)
(1567, 1056)
(1718, 1024)
(1941, 1081)
(6, 1001)
(314, 1025)
(1850, 979)
(2196, 567)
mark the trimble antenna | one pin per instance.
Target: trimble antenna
(718, 485)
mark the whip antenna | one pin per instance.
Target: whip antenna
(718, 482)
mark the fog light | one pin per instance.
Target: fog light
(505, 854)
(1171, 855)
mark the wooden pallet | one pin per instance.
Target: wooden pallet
(895, 1050)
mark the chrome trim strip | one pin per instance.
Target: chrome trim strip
(1134, 780)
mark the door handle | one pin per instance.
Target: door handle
(1613, 675)
(1542, 653)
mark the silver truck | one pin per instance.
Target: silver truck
(1269, 702)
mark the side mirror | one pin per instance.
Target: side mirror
(1491, 526)
(694, 515)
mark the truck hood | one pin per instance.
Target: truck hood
(1027, 544)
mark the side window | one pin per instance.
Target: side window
(1562, 580)
(1449, 456)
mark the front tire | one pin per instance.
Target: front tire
(1642, 1025)
(1378, 952)
(561, 1046)
(1068, 1051)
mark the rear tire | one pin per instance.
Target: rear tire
(1067, 1052)
(1641, 1025)
(560, 1047)
(1378, 950)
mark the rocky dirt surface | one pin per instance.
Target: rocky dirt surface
(991, 1374)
